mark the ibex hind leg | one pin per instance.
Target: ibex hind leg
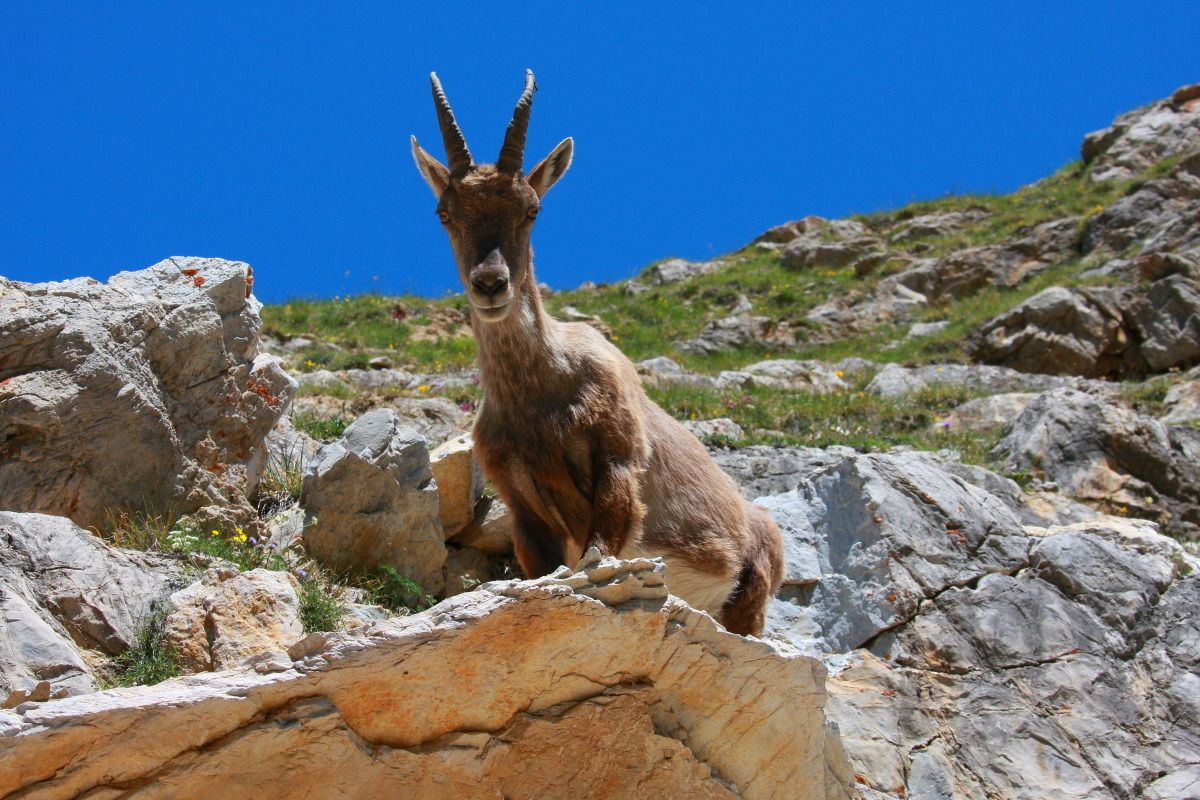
(745, 611)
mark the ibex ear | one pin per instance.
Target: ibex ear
(552, 167)
(432, 170)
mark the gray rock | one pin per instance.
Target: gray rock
(63, 589)
(1182, 402)
(762, 470)
(891, 532)
(1167, 322)
(895, 381)
(677, 269)
(739, 331)
(987, 414)
(807, 253)
(1006, 265)
(491, 530)
(661, 371)
(369, 380)
(372, 501)
(719, 428)
(141, 391)
(785, 373)
(942, 223)
(1158, 217)
(1061, 331)
(919, 329)
(322, 381)
(1110, 456)
(1140, 138)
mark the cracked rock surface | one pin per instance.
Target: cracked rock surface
(162, 360)
(973, 657)
(588, 684)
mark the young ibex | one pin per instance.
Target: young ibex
(573, 445)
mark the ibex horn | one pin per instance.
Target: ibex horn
(456, 144)
(512, 153)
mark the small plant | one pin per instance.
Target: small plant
(279, 487)
(385, 586)
(150, 659)
(320, 608)
(139, 530)
(323, 429)
(239, 548)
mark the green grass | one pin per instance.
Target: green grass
(320, 608)
(852, 418)
(280, 484)
(149, 660)
(385, 586)
(323, 429)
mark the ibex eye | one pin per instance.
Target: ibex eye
(443, 215)
(533, 212)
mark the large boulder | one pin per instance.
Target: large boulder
(459, 482)
(1078, 664)
(142, 391)
(674, 270)
(1061, 331)
(1004, 265)
(784, 373)
(1110, 456)
(952, 634)
(64, 591)
(372, 501)
(229, 616)
(887, 533)
(1167, 321)
(593, 684)
(736, 332)
(1140, 138)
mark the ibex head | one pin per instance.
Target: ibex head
(489, 209)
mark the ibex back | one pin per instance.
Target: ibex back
(568, 437)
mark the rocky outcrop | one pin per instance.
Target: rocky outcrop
(145, 390)
(371, 501)
(597, 684)
(893, 380)
(1005, 265)
(1064, 332)
(674, 270)
(229, 616)
(953, 634)
(1141, 138)
(784, 373)
(64, 591)
(1110, 456)
(459, 483)
(738, 331)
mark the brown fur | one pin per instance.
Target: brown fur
(568, 437)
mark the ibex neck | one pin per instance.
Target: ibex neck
(521, 352)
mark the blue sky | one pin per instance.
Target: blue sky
(278, 133)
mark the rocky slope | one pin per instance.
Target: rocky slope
(974, 420)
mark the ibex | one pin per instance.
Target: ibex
(571, 442)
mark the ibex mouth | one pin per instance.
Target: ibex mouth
(492, 313)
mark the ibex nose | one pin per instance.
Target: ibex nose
(490, 283)
(491, 276)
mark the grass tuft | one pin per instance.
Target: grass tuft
(149, 660)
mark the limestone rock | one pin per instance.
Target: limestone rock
(465, 568)
(1140, 138)
(575, 685)
(763, 470)
(1008, 264)
(1167, 321)
(143, 390)
(1182, 402)
(229, 616)
(785, 373)
(893, 380)
(491, 530)
(737, 331)
(372, 501)
(892, 531)
(321, 381)
(987, 414)
(459, 483)
(719, 428)
(1061, 331)
(663, 371)
(937, 224)
(63, 589)
(677, 269)
(1110, 456)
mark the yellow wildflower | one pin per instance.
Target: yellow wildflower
(423, 388)
(840, 373)
(216, 533)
